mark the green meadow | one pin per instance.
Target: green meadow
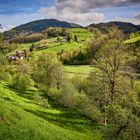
(132, 40)
(21, 117)
(79, 69)
(57, 47)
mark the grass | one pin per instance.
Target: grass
(85, 69)
(22, 118)
(132, 40)
(22, 46)
(54, 46)
(82, 70)
(81, 33)
(59, 47)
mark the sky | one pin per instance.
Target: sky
(83, 12)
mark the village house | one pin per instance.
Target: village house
(19, 55)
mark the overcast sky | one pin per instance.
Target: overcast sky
(84, 12)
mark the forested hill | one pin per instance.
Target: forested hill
(38, 26)
(124, 26)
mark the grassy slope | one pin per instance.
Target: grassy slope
(59, 47)
(22, 46)
(81, 33)
(132, 40)
(81, 70)
(78, 69)
(22, 118)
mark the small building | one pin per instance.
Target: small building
(19, 55)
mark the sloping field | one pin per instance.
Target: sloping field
(23, 118)
(132, 40)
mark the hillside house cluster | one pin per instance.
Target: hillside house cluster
(19, 55)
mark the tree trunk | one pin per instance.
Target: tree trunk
(112, 90)
(105, 120)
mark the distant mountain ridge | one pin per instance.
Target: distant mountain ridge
(38, 26)
(126, 27)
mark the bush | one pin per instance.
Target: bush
(21, 82)
(82, 101)
(3, 63)
(40, 100)
(54, 93)
(5, 76)
(56, 31)
(27, 38)
(92, 112)
(86, 108)
(68, 95)
(78, 82)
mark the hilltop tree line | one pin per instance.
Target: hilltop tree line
(37, 26)
(34, 37)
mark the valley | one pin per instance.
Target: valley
(63, 81)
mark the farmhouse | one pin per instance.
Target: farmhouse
(19, 55)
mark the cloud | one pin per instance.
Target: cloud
(101, 3)
(85, 11)
(72, 11)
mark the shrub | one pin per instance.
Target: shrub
(21, 82)
(5, 76)
(27, 38)
(3, 63)
(56, 31)
(68, 95)
(92, 112)
(54, 93)
(78, 82)
(81, 101)
(84, 105)
(40, 100)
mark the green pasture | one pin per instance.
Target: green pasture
(22, 46)
(23, 118)
(132, 40)
(81, 33)
(81, 70)
(61, 47)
